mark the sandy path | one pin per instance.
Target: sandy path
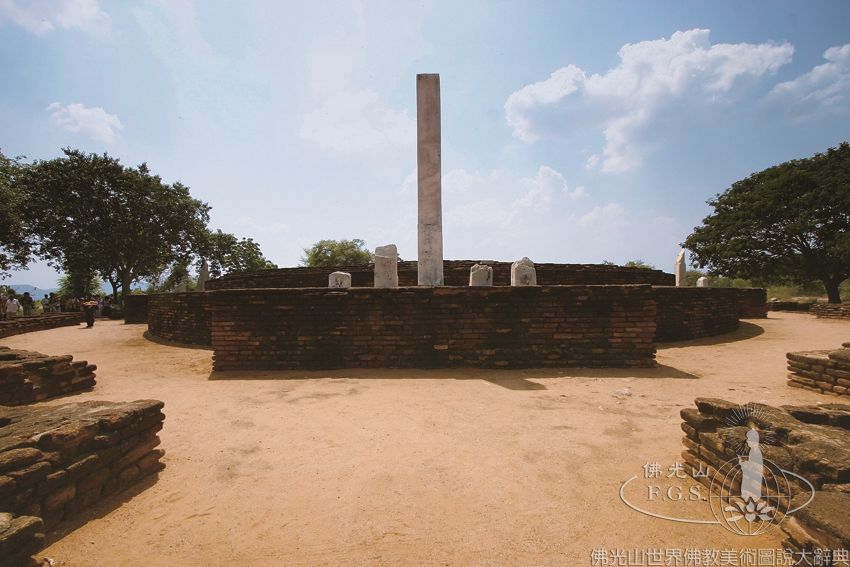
(454, 467)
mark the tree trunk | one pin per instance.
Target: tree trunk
(114, 283)
(831, 285)
(126, 282)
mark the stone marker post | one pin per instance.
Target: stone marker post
(480, 276)
(203, 277)
(702, 282)
(386, 266)
(681, 277)
(339, 280)
(430, 264)
(523, 273)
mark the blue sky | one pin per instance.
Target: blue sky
(572, 131)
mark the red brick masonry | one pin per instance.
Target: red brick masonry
(57, 461)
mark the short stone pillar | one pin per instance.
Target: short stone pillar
(680, 270)
(702, 282)
(480, 276)
(523, 273)
(386, 266)
(203, 277)
(339, 280)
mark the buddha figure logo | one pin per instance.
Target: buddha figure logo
(751, 493)
(746, 494)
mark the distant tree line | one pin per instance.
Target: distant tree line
(89, 216)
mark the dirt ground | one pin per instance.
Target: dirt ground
(403, 467)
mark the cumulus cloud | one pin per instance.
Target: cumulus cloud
(603, 216)
(94, 121)
(356, 122)
(43, 16)
(825, 87)
(650, 76)
(539, 191)
(500, 198)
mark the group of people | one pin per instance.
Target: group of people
(11, 305)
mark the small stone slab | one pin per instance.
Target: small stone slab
(341, 280)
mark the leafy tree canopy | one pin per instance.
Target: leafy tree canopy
(638, 264)
(14, 244)
(329, 253)
(225, 253)
(791, 220)
(79, 284)
(90, 213)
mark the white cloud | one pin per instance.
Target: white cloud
(357, 122)
(500, 198)
(94, 122)
(826, 86)
(345, 105)
(623, 101)
(604, 216)
(43, 16)
(540, 190)
(560, 84)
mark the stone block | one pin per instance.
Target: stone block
(340, 280)
(523, 273)
(386, 266)
(480, 276)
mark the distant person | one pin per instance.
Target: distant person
(12, 306)
(89, 309)
(27, 303)
(45, 304)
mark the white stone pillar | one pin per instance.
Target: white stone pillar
(681, 277)
(480, 276)
(203, 277)
(523, 273)
(430, 261)
(183, 285)
(386, 266)
(339, 280)
(702, 282)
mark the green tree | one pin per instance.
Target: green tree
(329, 253)
(90, 213)
(14, 244)
(638, 264)
(79, 284)
(791, 220)
(226, 253)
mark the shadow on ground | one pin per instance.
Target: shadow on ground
(745, 331)
(514, 379)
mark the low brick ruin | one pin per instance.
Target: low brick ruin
(27, 377)
(181, 318)
(823, 371)
(56, 461)
(136, 308)
(455, 273)
(804, 306)
(811, 441)
(433, 327)
(831, 310)
(20, 325)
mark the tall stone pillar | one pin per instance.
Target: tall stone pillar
(681, 275)
(430, 264)
(203, 277)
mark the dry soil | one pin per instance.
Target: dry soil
(411, 467)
